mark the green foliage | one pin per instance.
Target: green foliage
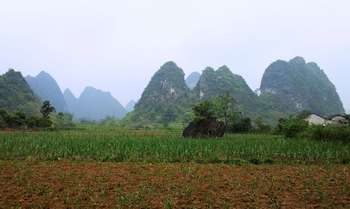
(261, 126)
(221, 82)
(16, 95)
(3, 118)
(240, 125)
(19, 120)
(204, 110)
(291, 127)
(46, 109)
(62, 121)
(168, 117)
(166, 95)
(330, 133)
(120, 145)
(295, 85)
(224, 107)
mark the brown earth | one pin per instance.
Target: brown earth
(28, 184)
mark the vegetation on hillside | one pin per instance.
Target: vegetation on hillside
(16, 95)
(296, 85)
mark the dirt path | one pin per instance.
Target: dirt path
(26, 184)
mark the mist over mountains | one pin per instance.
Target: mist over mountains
(287, 87)
(94, 104)
(46, 88)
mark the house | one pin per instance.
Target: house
(339, 120)
(314, 119)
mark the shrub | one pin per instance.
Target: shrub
(16, 120)
(261, 127)
(291, 127)
(242, 125)
(339, 133)
(65, 121)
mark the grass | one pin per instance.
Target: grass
(118, 145)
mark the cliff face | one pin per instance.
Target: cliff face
(166, 93)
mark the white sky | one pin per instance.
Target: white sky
(117, 45)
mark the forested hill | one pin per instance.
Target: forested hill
(296, 85)
(286, 88)
(16, 94)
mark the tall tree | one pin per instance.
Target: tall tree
(46, 109)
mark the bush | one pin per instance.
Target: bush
(65, 121)
(339, 133)
(291, 127)
(16, 120)
(262, 127)
(242, 125)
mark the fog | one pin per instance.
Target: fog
(117, 45)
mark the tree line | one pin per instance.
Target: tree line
(48, 119)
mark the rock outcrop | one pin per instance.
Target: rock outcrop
(204, 128)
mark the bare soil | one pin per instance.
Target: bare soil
(66, 184)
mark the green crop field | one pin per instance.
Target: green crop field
(100, 167)
(119, 145)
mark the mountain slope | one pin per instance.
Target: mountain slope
(16, 94)
(46, 88)
(296, 85)
(166, 93)
(130, 106)
(71, 101)
(94, 104)
(216, 83)
(192, 80)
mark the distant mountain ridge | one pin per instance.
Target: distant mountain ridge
(16, 94)
(46, 88)
(192, 80)
(94, 104)
(286, 88)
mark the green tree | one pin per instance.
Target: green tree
(292, 126)
(204, 110)
(16, 120)
(46, 109)
(224, 107)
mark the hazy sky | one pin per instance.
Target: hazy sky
(117, 45)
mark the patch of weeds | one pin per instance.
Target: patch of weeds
(168, 204)
(129, 200)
